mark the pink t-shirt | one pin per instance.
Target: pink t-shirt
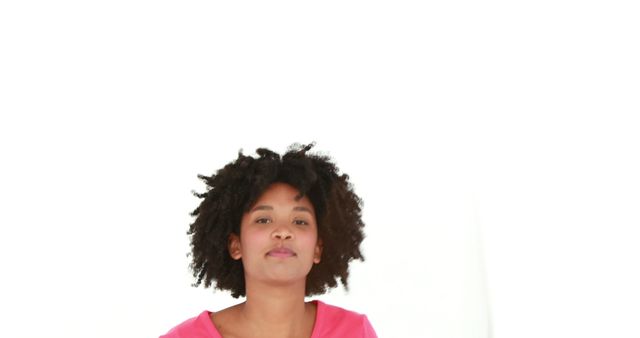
(331, 321)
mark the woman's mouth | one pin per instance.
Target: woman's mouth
(281, 253)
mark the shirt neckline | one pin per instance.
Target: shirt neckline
(211, 327)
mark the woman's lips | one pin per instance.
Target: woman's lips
(281, 252)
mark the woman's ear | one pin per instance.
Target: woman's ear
(234, 246)
(317, 252)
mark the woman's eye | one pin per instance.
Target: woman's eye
(300, 222)
(263, 220)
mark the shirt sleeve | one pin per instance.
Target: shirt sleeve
(367, 328)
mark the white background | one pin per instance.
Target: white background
(495, 146)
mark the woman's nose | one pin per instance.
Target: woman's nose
(282, 232)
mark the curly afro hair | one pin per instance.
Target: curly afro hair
(237, 186)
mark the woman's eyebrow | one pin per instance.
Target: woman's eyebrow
(262, 207)
(301, 208)
(268, 207)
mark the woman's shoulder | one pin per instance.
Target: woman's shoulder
(335, 321)
(199, 326)
(330, 310)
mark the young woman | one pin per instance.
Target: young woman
(276, 229)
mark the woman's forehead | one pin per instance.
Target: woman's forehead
(283, 194)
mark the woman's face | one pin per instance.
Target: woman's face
(278, 241)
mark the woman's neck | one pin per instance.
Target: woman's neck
(275, 311)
